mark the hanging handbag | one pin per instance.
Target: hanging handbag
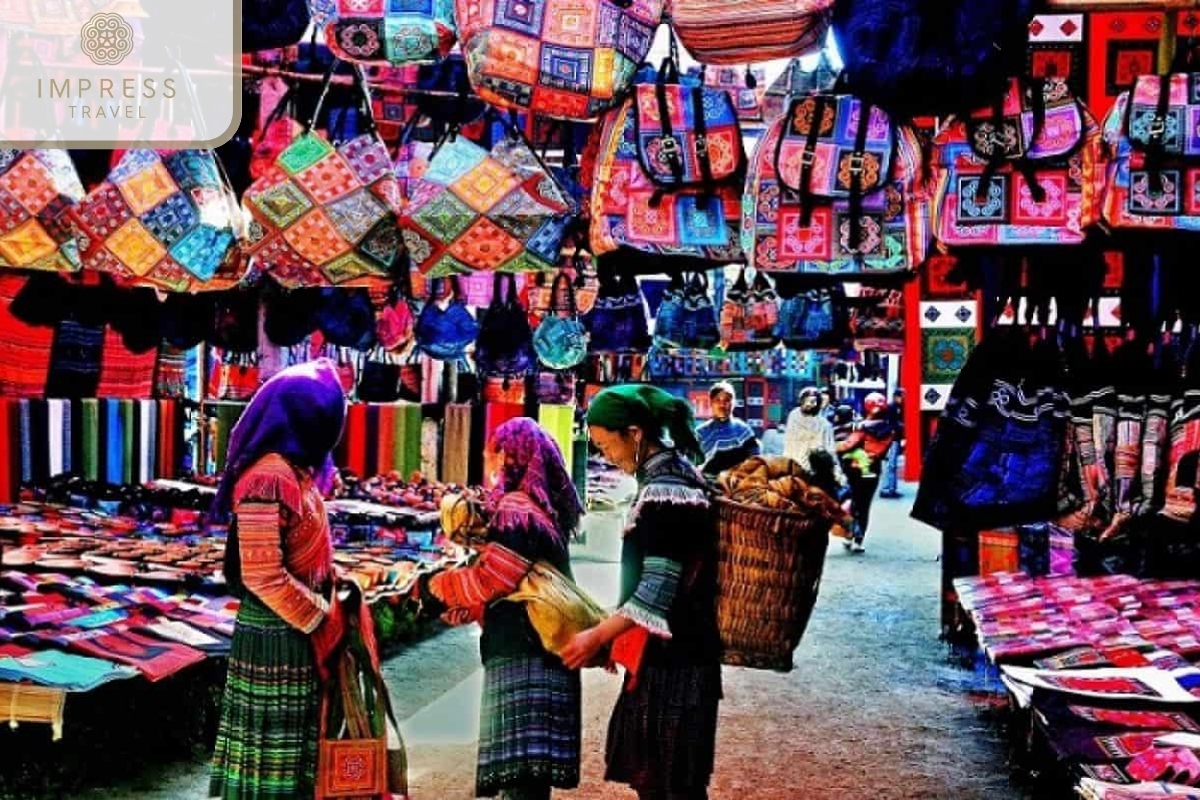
(670, 172)
(539, 292)
(812, 320)
(835, 188)
(445, 333)
(877, 319)
(41, 187)
(795, 81)
(618, 320)
(346, 318)
(325, 214)
(561, 341)
(686, 317)
(914, 58)
(467, 209)
(555, 388)
(748, 31)
(379, 378)
(570, 60)
(392, 33)
(749, 314)
(505, 343)
(1027, 171)
(237, 376)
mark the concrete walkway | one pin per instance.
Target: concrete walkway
(872, 710)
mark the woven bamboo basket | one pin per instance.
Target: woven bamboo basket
(768, 577)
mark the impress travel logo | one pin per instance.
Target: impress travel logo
(100, 74)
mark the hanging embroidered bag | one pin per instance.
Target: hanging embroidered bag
(745, 31)
(749, 314)
(834, 189)
(445, 333)
(1154, 174)
(166, 219)
(670, 170)
(568, 59)
(794, 82)
(745, 86)
(877, 319)
(618, 322)
(326, 215)
(505, 343)
(1026, 171)
(560, 340)
(394, 32)
(687, 317)
(813, 319)
(40, 188)
(466, 209)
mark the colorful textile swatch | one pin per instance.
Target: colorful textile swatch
(39, 188)
(430, 448)
(1056, 49)
(124, 374)
(154, 658)
(1121, 46)
(24, 349)
(458, 443)
(559, 422)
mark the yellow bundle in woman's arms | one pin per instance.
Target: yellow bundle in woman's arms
(557, 607)
(778, 483)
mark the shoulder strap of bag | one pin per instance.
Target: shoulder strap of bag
(856, 174)
(702, 155)
(562, 279)
(1155, 150)
(808, 156)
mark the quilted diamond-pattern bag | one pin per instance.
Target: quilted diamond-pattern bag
(392, 31)
(835, 188)
(1154, 175)
(166, 219)
(325, 214)
(669, 173)
(568, 59)
(1026, 171)
(37, 190)
(741, 31)
(466, 209)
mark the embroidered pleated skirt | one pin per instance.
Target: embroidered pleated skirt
(267, 737)
(663, 732)
(529, 730)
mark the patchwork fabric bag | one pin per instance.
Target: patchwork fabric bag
(39, 189)
(505, 343)
(835, 188)
(167, 219)
(561, 341)
(743, 31)
(749, 314)
(746, 87)
(687, 317)
(618, 319)
(813, 320)
(1154, 174)
(1026, 171)
(466, 209)
(445, 332)
(567, 59)
(540, 291)
(670, 168)
(324, 214)
(391, 31)
(877, 319)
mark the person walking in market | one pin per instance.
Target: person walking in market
(662, 733)
(808, 440)
(863, 447)
(890, 489)
(279, 562)
(726, 440)
(530, 723)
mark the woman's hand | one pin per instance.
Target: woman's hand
(583, 648)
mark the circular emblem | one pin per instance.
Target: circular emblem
(107, 39)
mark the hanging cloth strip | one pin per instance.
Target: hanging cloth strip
(411, 412)
(54, 409)
(26, 440)
(457, 439)
(39, 416)
(8, 450)
(559, 422)
(430, 447)
(127, 439)
(387, 438)
(114, 442)
(355, 440)
(371, 443)
(125, 374)
(91, 439)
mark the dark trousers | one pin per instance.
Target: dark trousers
(862, 494)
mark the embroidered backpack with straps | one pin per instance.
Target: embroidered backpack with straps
(1025, 171)
(1154, 175)
(669, 172)
(568, 60)
(835, 187)
(741, 31)
(749, 314)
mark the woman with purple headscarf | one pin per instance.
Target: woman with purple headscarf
(279, 561)
(529, 737)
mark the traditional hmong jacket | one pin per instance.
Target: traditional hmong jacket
(284, 544)
(669, 564)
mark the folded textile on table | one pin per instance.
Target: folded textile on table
(65, 671)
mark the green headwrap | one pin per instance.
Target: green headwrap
(651, 409)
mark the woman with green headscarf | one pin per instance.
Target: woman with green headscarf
(662, 734)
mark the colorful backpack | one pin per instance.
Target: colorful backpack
(1154, 175)
(1026, 171)
(749, 314)
(687, 318)
(392, 32)
(669, 172)
(835, 188)
(569, 59)
(741, 31)
(40, 188)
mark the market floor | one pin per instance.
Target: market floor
(873, 708)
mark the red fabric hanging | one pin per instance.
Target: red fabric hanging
(24, 349)
(125, 375)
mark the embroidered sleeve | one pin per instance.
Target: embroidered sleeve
(263, 572)
(655, 592)
(496, 573)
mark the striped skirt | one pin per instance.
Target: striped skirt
(663, 733)
(529, 729)
(267, 738)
